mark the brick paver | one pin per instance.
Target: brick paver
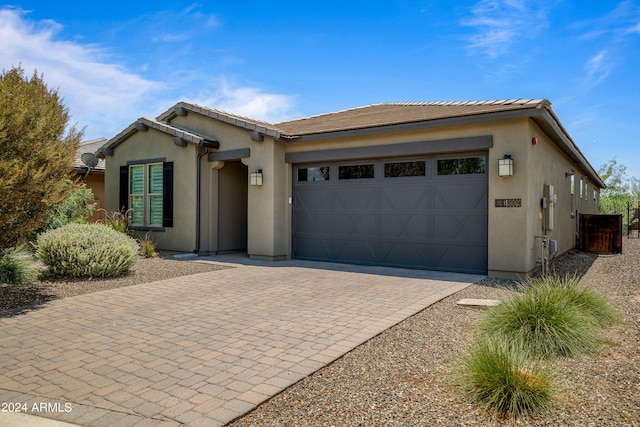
(201, 349)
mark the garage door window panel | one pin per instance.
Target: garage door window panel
(356, 171)
(404, 169)
(462, 166)
(314, 174)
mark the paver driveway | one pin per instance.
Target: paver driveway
(201, 349)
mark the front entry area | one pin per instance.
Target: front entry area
(232, 207)
(427, 212)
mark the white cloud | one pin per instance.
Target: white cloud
(250, 102)
(103, 96)
(623, 20)
(499, 24)
(100, 96)
(598, 67)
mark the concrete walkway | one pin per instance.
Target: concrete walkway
(201, 349)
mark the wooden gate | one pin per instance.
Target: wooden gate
(601, 233)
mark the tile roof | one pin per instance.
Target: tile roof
(233, 119)
(144, 123)
(400, 112)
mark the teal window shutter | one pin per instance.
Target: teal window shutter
(136, 194)
(155, 194)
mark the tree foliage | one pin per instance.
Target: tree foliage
(622, 193)
(614, 175)
(37, 148)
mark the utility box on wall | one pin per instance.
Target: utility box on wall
(601, 233)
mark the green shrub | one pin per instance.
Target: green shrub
(546, 319)
(147, 246)
(17, 266)
(78, 207)
(504, 380)
(118, 220)
(86, 250)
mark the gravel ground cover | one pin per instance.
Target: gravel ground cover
(401, 377)
(145, 270)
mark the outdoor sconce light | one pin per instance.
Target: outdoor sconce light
(505, 166)
(256, 178)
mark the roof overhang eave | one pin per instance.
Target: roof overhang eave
(406, 126)
(541, 115)
(550, 124)
(143, 124)
(183, 108)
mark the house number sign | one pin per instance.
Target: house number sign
(508, 203)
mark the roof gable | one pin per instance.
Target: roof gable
(181, 136)
(182, 108)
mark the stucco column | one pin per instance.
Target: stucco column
(266, 216)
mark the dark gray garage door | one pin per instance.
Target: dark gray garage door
(426, 212)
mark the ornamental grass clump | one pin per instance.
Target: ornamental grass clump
(86, 250)
(17, 266)
(503, 380)
(148, 246)
(551, 317)
(586, 299)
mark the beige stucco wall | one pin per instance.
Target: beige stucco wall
(516, 234)
(514, 248)
(268, 220)
(154, 144)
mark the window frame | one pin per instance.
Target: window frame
(147, 194)
(162, 189)
(572, 191)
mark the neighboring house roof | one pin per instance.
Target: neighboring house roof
(90, 146)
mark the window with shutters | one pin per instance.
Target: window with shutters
(145, 194)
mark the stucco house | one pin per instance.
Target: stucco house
(492, 187)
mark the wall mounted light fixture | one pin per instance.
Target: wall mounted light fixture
(571, 173)
(255, 178)
(505, 166)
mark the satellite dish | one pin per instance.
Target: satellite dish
(89, 159)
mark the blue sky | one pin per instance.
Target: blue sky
(115, 61)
